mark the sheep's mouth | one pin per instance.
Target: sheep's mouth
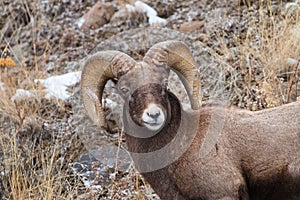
(153, 126)
(152, 123)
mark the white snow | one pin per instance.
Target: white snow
(22, 94)
(56, 86)
(145, 8)
(157, 20)
(80, 22)
(130, 8)
(150, 12)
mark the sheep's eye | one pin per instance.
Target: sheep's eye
(124, 90)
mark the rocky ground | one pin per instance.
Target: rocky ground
(247, 51)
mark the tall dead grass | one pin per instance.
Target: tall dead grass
(36, 138)
(36, 144)
(271, 41)
(260, 74)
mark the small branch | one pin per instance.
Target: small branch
(21, 117)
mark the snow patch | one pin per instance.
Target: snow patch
(151, 13)
(56, 86)
(80, 22)
(157, 20)
(22, 94)
(145, 8)
(130, 8)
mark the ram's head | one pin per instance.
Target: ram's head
(143, 85)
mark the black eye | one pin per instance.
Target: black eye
(124, 90)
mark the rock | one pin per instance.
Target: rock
(98, 15)
(189, 27)
(127, 41)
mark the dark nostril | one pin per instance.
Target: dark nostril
(154, 116)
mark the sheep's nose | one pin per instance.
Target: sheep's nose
(153, 114)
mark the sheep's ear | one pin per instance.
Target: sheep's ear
(176, 55)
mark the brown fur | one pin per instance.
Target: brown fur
(256, 157)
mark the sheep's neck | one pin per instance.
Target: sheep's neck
(143, 145)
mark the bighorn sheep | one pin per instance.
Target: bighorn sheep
(222, 152)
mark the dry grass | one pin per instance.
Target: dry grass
(271, 42)
(256, 64)
(35, 149)
(37, 142)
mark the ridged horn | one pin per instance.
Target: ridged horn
(98, 69)
(177, 56)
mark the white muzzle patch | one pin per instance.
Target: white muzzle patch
(153, 117)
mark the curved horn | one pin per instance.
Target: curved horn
(177, 56)
(98, 69)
